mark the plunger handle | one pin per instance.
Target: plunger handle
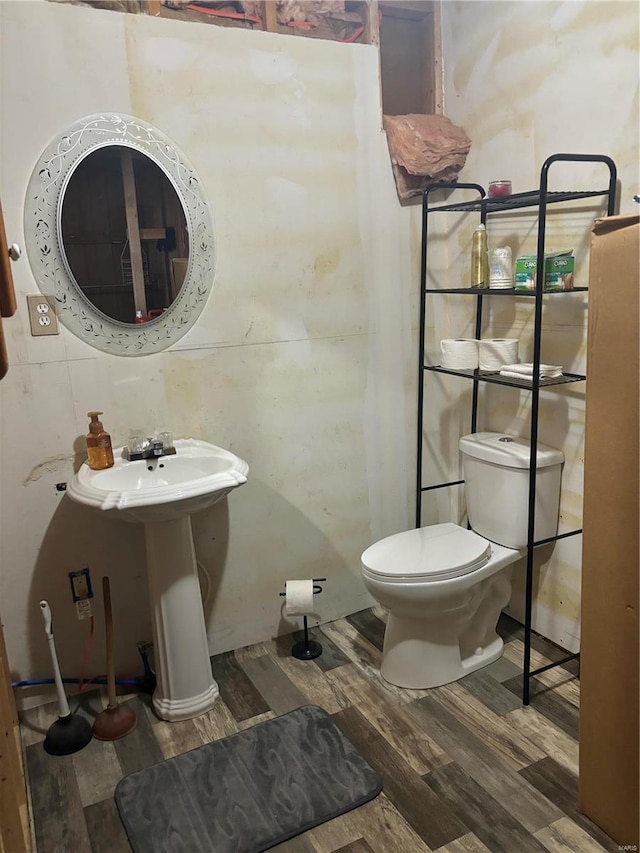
(108, 625)
(48, 627)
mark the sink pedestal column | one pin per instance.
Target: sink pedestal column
(185, 686)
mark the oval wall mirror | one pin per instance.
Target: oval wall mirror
(119, 234)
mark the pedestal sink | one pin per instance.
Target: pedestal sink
(162, 493)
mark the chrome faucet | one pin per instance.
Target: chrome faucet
(149, 448)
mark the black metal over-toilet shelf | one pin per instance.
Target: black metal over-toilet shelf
(538, 201)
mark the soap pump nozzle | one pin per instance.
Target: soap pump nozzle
(95, 426)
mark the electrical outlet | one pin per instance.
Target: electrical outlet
(81, 585)
(42, 316)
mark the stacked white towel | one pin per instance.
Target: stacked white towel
(525, 371)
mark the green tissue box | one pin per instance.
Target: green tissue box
(558, 271)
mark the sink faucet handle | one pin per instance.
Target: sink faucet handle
(137, 445)
(137, 442)
(167, 439)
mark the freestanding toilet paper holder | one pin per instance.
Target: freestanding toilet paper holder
(307, 649)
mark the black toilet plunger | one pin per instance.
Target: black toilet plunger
(69, 733)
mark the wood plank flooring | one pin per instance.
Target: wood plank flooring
(466, 768)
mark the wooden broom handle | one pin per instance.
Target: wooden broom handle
(4, 357)
(7, 293)
(108, 625)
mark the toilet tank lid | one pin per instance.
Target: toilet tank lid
(508, 450)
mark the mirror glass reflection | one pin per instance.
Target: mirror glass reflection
(124, 234)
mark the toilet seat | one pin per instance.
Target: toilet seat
(434, 553)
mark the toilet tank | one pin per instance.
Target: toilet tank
(496, 475)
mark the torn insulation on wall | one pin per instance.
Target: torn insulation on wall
(424, 149)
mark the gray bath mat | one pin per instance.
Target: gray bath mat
(249, 791)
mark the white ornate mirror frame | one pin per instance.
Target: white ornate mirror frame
(43, 235)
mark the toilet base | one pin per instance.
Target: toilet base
(414, 659)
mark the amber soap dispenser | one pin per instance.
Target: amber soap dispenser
(99, 450)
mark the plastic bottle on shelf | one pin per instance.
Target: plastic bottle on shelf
(479, 258)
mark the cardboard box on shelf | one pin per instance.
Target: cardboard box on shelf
(609, 764)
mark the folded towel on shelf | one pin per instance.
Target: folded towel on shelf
(509, 374)
(528, 377)
(525, 371)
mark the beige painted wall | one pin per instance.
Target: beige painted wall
(299, 363)
(527, 80)
(303, 362)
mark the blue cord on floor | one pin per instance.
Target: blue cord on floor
(33, 682)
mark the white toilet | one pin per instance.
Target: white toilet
(444, 586)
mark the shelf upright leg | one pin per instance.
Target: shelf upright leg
(533, 459)
(535, 393)
(421, 343)
(476, 385)
(423, 301)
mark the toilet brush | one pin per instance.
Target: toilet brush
(69, 733)
(116, 720)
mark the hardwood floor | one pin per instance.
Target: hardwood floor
(466, 768)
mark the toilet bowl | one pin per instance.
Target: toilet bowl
(445, 586)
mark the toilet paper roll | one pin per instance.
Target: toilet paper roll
(298, 597)
(459, 354)
(494, 352)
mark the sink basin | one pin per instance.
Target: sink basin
(162, 494)
(197, 476)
